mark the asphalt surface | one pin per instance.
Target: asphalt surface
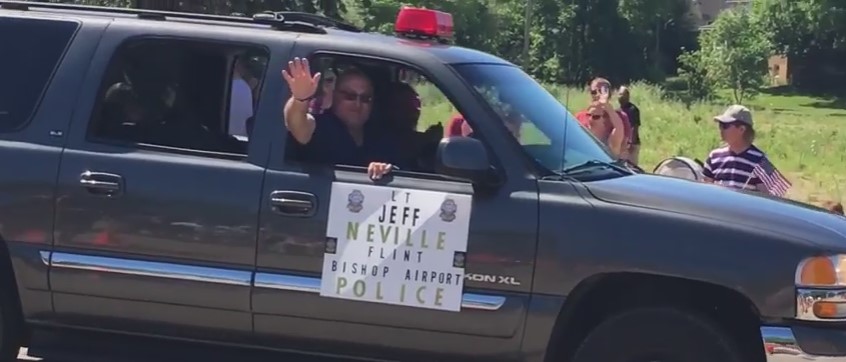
(85, 347)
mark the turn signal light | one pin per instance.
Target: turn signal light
(819, 271)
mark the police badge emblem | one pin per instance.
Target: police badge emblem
(355, 201)
(448, 209)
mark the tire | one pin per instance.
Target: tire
(657, 334)
(10, 337)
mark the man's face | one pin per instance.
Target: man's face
(624, 96)
(732, 133)
(353, 100)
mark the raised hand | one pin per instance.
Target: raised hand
(604, 94)
(303, 85)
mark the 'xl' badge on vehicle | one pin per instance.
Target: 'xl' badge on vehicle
(498, 279)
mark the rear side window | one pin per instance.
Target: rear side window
(31, 50)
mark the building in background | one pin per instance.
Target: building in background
(704, 12)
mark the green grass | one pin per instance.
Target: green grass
(804, 136)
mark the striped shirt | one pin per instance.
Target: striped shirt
(734, 170)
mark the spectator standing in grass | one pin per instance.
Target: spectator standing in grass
(633, 114)
(740, 164)
(610, 126)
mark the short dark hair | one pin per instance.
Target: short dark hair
(351, 72)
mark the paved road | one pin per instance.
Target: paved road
(84, 347)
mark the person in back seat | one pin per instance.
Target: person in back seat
(401, 118)
(120, 111)
(345, 134)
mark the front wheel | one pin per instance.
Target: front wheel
(10, 341)
(657, 335)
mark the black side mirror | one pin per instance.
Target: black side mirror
(463, 158)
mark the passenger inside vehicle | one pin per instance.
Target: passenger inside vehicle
(402, 116)
(180, 95)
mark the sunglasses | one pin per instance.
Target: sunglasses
(730, 125)
(352, 96)
(596, 91)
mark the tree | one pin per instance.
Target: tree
(733, 54)
(812, 34)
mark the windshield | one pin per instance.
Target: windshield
(549, 133)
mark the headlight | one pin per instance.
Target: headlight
(821, 288)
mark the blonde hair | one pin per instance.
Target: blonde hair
(749, 133)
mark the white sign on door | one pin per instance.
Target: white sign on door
(396, 246)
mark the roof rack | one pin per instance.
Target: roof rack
(281, 20)
(307, 18)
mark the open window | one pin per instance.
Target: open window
(406, 107)
(247, 75)
(180, 96)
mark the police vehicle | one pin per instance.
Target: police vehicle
(143, 194)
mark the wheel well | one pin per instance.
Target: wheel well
(601, 296)
(10, 284)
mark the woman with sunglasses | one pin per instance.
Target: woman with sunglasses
(733, 164)
(610, 126)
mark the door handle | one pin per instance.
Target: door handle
(101, 183)
(293, 203)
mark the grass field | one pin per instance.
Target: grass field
(803, 136)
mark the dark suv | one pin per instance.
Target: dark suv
(148, 189)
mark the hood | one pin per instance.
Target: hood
(794, 219)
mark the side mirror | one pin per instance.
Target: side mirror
(463, 158)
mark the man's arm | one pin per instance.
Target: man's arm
(618, 134)
(298, 121)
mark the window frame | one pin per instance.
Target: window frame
(97, 108)
(501, 176)
(52, 74)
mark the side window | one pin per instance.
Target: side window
(179, 94)
(400, 114)
(436, 108)
(246, 77)
(27, 64)
(524, 131)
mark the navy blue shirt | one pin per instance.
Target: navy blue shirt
(332, 143)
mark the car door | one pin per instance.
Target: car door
(147, 234)
(33, 119)
(293, 243)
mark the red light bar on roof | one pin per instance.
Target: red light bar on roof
(425, 22)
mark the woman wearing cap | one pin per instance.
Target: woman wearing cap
(733, 164)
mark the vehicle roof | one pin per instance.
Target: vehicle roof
(365, 42)
(447, 53)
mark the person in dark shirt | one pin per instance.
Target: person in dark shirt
(344, 135)
(633, 113)
(417, 149)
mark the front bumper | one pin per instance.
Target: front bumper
(794, 344)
